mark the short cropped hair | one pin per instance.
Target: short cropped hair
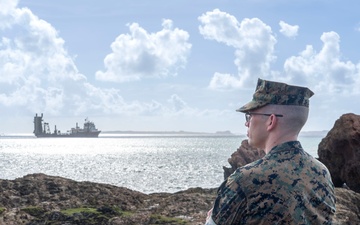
(294, 116)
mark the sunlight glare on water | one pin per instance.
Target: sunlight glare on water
(146, 164)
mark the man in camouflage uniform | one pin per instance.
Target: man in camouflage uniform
(287, 185)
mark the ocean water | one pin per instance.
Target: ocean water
(145, 163)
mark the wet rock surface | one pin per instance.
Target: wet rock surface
(340, 152)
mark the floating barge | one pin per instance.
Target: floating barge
(42, 129)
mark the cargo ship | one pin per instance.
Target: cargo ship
(42, 129)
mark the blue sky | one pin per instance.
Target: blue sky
(172, 65)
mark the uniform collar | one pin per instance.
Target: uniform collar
(286, 146)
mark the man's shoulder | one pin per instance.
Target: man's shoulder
(259, 169)
(275, 165)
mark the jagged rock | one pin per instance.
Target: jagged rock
(58, 193)
(347, 207)
(36, 198)
(340, 152)
(245, 154)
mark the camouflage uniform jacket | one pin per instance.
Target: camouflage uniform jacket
(286, 186)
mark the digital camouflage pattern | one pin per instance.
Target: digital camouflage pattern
(287, 186)
(269, 92)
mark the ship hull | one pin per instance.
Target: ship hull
(75, 135)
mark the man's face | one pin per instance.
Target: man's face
(256, 131)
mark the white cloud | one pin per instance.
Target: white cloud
(38, 75)
(288, 30)
(141, 54)
(177, 103)
(220, 26)
(223, 81)
(35, 69)
(7, 7)
(325, 71)
(253, 42)
(36, 72)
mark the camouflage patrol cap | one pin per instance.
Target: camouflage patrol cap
(269, 92)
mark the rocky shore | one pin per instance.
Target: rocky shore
(40, 199)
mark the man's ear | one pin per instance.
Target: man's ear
(272, 122)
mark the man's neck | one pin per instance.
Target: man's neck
(276, 140)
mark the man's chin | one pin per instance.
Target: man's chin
(252, 144)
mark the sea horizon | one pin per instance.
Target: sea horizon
(314, 133)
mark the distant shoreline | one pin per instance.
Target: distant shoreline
(322, 133)
(168, 132)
